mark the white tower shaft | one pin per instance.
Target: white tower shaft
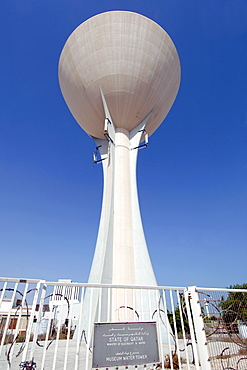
(121, 254)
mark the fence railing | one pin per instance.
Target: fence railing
(50, 325)
(224, 313)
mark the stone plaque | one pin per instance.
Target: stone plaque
(122, 344)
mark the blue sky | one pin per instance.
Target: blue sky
(192, 178)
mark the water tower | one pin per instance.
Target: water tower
(119, 73)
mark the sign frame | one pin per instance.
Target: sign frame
(125, 343)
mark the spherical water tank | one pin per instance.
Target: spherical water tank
(134, 61)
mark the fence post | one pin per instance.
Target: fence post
(199, 328)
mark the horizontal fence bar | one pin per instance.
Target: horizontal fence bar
(91, 285)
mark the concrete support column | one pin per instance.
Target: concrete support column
(123, 243)
(123, 246)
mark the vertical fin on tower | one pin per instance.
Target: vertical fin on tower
(109, 128)
(137, 132)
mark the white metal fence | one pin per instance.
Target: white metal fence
(46, 322)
